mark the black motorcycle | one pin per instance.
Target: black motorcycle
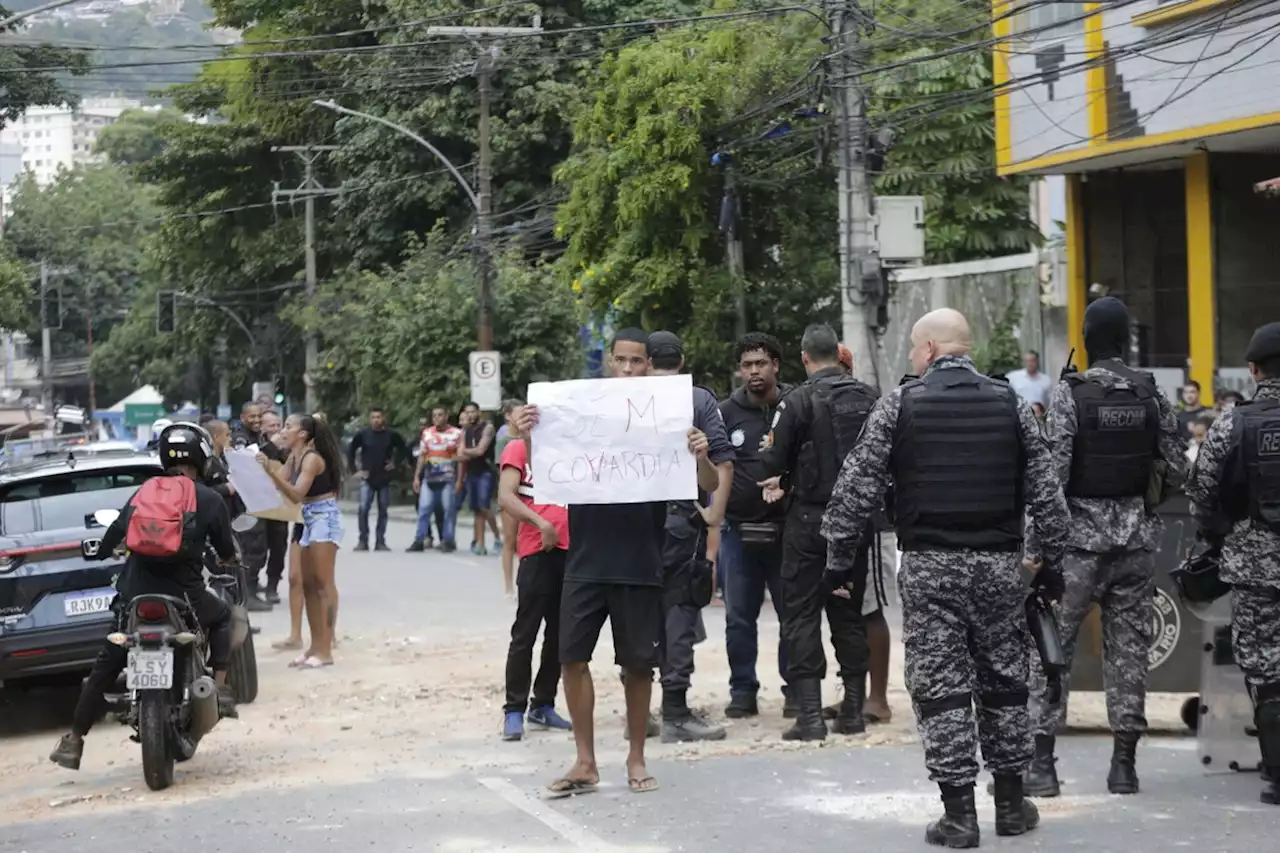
(169, 697)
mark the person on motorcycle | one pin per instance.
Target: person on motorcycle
(185, 450)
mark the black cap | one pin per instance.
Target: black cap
(1265, 344)
(665, 343)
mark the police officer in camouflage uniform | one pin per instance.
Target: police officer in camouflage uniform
(814, 429)
(1234, 488)
(1114, 439)
(965, 456)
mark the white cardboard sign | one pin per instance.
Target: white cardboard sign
(608, 441)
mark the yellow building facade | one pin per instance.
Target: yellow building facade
(1163, 115)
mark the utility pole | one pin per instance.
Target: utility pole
(733, 243)
(88, 329)
(307, 191)
(859, 260)
(46, 346)
(484, 211)
(487, 60)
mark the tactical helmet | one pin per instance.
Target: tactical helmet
(185, 443)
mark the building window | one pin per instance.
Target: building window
(1049, 20)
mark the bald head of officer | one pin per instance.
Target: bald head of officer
(936, 334)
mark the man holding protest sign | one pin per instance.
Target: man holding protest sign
(592, 442)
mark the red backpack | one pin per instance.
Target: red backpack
(161, 510)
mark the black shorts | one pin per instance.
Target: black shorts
(297, 532)
(635, 613)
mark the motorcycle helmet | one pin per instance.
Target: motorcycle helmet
(185, 443)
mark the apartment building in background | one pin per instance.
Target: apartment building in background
(1161, 116)
(60, 136)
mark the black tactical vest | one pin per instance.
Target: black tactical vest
(1117, 437)
(838, 408)
(958, 464)
(1258, 426)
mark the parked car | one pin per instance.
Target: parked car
(55, 604)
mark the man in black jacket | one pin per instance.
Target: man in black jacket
(751, 550)
(378, 448)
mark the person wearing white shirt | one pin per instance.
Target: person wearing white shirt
(1029, 383)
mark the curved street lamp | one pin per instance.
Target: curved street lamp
(448, 164)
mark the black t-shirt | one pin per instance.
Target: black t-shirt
(472, 436)
(616, 543)
(180, 575)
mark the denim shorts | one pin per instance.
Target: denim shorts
(480, 490)
(321, 522)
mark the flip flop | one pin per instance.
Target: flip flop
(564, 788)
(286, 645)
(637, 785)
(314, 663)
(298, 661)
(876, 719)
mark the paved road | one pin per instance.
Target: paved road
(821, 799)
(452, 786)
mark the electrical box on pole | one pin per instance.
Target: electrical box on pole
(899, 229)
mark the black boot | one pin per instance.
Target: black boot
(1123, 778)
(742, 705)
(382, 546)
(790, 707)
(681, 725)
(809, 724)
(362, 545)
(958, 828)
(68, 752)
(1041, 779)
(1271, 786)
(849, 720)
(1014, 813)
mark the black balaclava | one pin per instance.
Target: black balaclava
(1264, 345)
(1106, 329)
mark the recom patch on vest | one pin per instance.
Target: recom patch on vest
(1269, 441)
(1122, 417)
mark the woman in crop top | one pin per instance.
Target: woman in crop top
(311, 478)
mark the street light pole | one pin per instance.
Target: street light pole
(479, 201)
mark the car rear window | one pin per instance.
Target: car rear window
(64, 500)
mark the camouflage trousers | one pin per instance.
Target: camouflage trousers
(1123, 585)
(964, 634)
(1255, 628)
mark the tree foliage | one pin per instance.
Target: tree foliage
(393, 337)
(1001, 352)
(21, 87)
(945, 145)
(138, 136)
(642, 217)
(92, 227)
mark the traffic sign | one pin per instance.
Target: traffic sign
(486, 380)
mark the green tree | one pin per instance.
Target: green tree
(91, 227)
(399, 337)
(641, 219)
(1001, 351)
(21, 88)
(945, 146)
(15, 291)
(138, 136)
